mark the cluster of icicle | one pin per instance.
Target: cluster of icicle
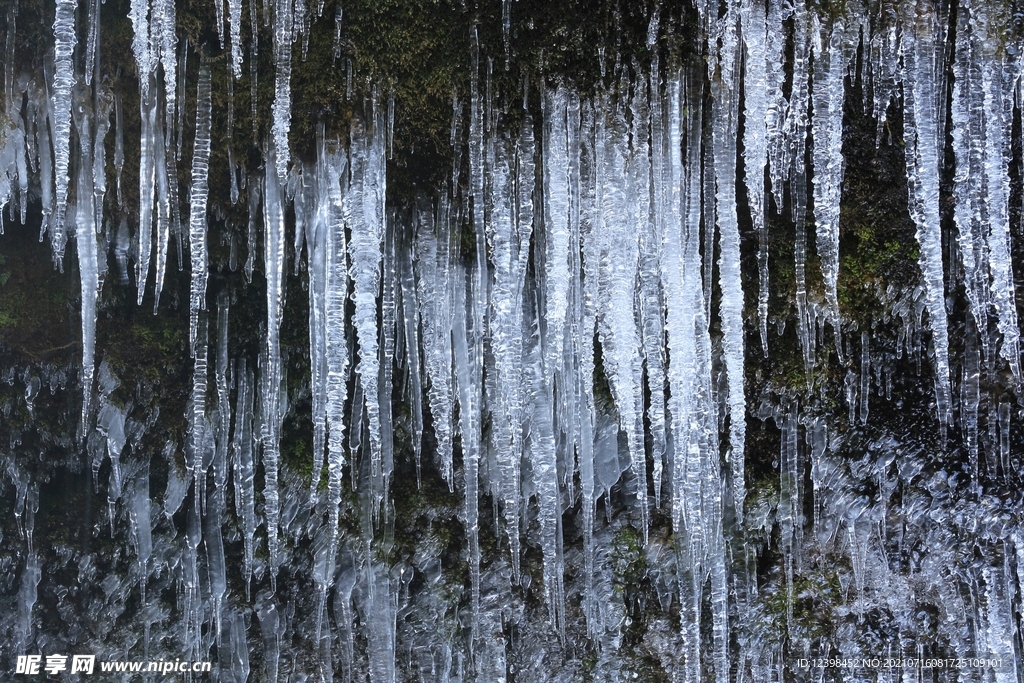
(597, 223)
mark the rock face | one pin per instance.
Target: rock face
(462, 364)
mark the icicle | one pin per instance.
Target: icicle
(63, 81)
(544, 470)
(87, 247)
(197, 201)
(617, 242)
(790, 161)
(235, 20)
(831, 62)
(760, 105)
(923, 107)
(505, 325)
(197, 411)
(999, 76)
(651, 302)
(725, 112)
(328, 265)
(470, 411)
(556, 233)
(103, 103)
(92, 53)
(254, 192)
(218, 6)
(232, 168)
(865, 375)
(282, 108)
(686, 330)
(336, 51)
(364, 215)
(388, 319)
(381, 613)
(411, 327)
(162, 162)
(244, 471)
(147, 183)
(435, 291)
(118, 147)
(270, 386)
(142, 530)
(139, 15)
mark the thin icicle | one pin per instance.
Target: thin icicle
(92, 55)
(282, 109)
(270, 386)
(244, 470)
(197, 201)
(470, 411)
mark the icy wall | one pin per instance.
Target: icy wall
(525, 369)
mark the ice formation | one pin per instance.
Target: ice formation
(570, 306)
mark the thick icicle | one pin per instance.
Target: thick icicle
(831, 62)
(60, 117)
(924, 104)
(470, 412)
(364, 216)
(1000, 78)
(725, 112)
(435, 290)
(759, 116)
(617, 241)
(508, 250)
(87, 246)
(544, 470)
(329, 281)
